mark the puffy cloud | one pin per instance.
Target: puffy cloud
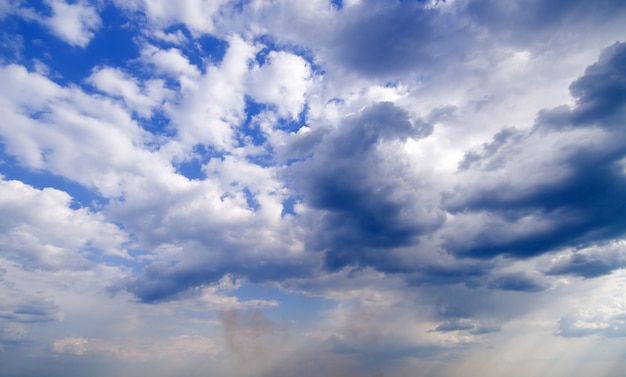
(369, 198)
(88, 139)
(41, 231)
(73, 22)
(281, 81)
(142, 98)
(198, 15)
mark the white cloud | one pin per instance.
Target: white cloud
(75, 23)
(141, 98)
(282, 81)
(171, 62)
(211, 105)
(196, 14)
(89, 139)
(40, 230)
(72, 346)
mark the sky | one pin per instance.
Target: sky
(258, 188)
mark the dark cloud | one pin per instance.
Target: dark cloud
(160, 282)
(470, 274)
(588, 264)
(369, 200)
(163, 282)
(517, 282)
(384, 41)
(600, 94)
(582, 202)
(33, 311)
(489, 150)
(536, 22)
(471, 326)
(455, 326)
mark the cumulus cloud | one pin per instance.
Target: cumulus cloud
(142, 98)
(75, 23)
(345, 187)
(369, 198)
(281, 81)
(41, 231)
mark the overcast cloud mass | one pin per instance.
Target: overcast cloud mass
(312, 188)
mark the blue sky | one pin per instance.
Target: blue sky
(340, 188)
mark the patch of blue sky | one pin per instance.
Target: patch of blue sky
(112, 45)
(249, 132)
(264, 160)
(158, 124)
(138, 260)
(82, 196)
(338, 4)
(201, 50)
(293, 125)
(192, 168)
(251, 200)
(289, 205)
(306, 308)
(206, 49)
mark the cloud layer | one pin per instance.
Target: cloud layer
(337, 187)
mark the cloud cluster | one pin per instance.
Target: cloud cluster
(356, 186)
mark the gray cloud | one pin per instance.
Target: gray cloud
(32, 310)
(517, 282)
(369, 200)
(387, 41)
(533, 22)
(579, 202)
(589, 263)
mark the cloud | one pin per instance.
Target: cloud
(554, 186)
(198, 16)
(28, 311)
(141, 98)
(517, 282)
(72, 346)
(75, 23)
(599, 312)
(590, 262)
(521, 22)
(471, 326)
(282, 81)
(385, 41)
(369, 199)
(41, 231)
(325, 187)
